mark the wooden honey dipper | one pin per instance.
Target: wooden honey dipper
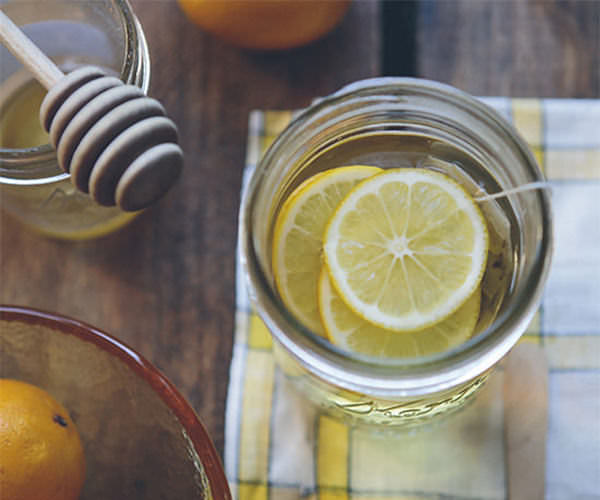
(114, 141)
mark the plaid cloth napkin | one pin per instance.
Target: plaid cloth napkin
(278, 447)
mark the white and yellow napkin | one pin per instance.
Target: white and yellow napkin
(277, 447)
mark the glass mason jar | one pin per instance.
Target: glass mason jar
(403, 122)
(33, 188)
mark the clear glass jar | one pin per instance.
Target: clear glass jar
(33, 188)
(399, 122)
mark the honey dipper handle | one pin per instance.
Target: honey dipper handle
(44, 70)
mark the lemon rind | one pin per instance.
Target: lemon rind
(337, 336)
(415, 320)
(289, 211)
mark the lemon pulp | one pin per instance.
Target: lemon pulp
(349, 331)
(406, 248)
(298, 238)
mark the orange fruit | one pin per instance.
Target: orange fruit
(266, 24)
(41, 455)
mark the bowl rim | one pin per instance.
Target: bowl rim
(180, 407)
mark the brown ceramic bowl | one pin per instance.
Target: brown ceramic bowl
(141, 438)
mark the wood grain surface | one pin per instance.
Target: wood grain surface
(165, 283)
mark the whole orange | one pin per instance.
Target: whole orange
(266, 24)
(41, 455)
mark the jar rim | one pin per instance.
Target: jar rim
(135, 69)
(405, 376)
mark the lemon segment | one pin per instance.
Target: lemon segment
(298, 238)
(349, 331)
(406, 248)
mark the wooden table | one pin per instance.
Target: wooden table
(165, 284)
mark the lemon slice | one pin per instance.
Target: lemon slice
(351, 332)
(298, 238)
(406, 248)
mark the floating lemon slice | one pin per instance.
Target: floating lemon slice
(298, 238)
(350, 332)
(406, 248)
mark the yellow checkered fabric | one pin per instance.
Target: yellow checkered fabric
(278, 447)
